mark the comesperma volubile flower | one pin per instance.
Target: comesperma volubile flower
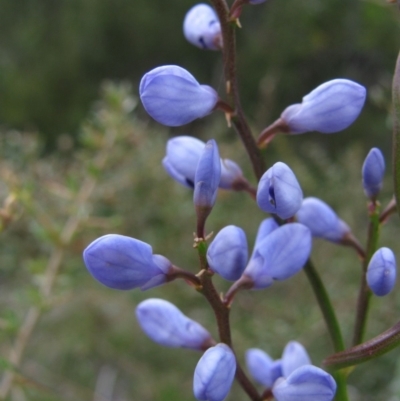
(173, 97)
(381, 272)
(228, 252)
(260, 366)
(207, 177)
(125, 263)
(231, 175)
(331, 107)
(279, 191)
(181, 159)
(294, 356)
(166, 325)
(265, 228)
(201, 27)
(279, 256)
(307, 383)
(322, 221)
(214, 374)
(373, 171)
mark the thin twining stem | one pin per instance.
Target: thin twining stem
(371, 349)
(364, 295)
(239, 120)
(54, 263)
(221, 312)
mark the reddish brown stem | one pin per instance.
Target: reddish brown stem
(268, 134)
(229, 60)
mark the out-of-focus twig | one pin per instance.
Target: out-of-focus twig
(55, 260)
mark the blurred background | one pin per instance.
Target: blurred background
(79, 158)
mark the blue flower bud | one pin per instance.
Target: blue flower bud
(227, 254)
(307, 383)
(214, 374)
(276, 370)
(381, 272)
(164, 265)
(322, 221)
(124, 263)
(231, 174)
(265, 228)
(259, 364)
(173, 97)
(207, 177)
(331, 107)
(279, 191)
(166, 325)
(182, 157)
(280, 255)
(201, 27)
(294, 356)
(372, 172)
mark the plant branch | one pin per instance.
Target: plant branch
(239, 120)
(221, 312)
(371, 349)
(325, 305)
(364, 294)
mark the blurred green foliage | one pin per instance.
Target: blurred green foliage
(54, 55)
(87, 344)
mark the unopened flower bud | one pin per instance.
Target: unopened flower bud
(381, 272)
(307, 383)
(125, 263)
(294, 355)
(372, 172)
(279, 191)
(280, 255)
(173, 97)
(166, 325)
(214, 374)
(182, 157)
(259, 364)
(207, 177)
(201, 27)
(228, 252)
(322, 221)
(331, 107)
(231, 175)
(265, 228)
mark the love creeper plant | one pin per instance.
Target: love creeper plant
(173, 97)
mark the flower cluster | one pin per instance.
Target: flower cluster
(292, 377)
(284, 241)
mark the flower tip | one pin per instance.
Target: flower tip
(120, 262)
(166, 325)
(305, 383)
(227, 254)
(381, 272)
(173, 97)
(201, 27)
(331, 107)
(214, 374)
(279, 191)
(373, 171)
